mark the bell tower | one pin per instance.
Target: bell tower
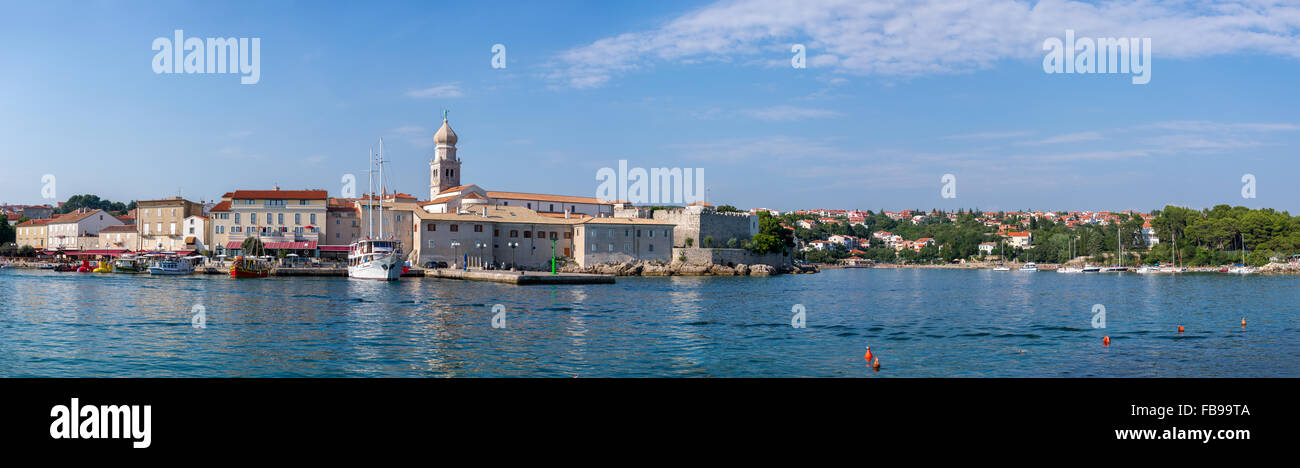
(444, 169)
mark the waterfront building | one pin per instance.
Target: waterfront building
(120, 238)
(160, 224)
(33, 233)
(513, 235)
(78, 229)
(197, 233)
(289, 220)
(342, 227)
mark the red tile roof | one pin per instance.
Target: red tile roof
(277, 194)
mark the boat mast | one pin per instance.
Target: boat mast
(382, 186)
(370, 197)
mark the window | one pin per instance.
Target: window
(191, 230)
(312, 219)
(593, 247)
(455, 228)
(568, 235)
(303, 203)
(530, 206)
(611, 247)
(279, 219)
(478, 228)
(595, 233)
(514, 233)
(666, 233)
(297, 218)
(554, 235)
(252, 218)
(431, 227)
(652, 247)
(652, 232)
(496, 233)
(627, 246)
(431, 244)
(638, 233)
(528, 234)
(552, 207)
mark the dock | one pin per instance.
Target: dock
(496, 276)
(515, 277)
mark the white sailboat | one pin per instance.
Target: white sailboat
(1244, 268)
(1120, 244)
(375, 257)
(1002, 258)
(1065, 269)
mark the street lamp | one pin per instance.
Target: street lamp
(480, 246)
(455, 250)
(514, 255)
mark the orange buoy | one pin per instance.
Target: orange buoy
(1243, 322)
(868, 355)
(1180, 329)
(875, 365)
(1105, 341)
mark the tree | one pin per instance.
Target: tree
(771, 237)
(7, 232)
(726, 209)
(253, 247)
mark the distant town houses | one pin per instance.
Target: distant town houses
(459, 224)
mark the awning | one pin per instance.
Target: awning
(100, 252)
(334, 248)
(189, 240)
(305, 245)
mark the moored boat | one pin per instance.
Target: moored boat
(171, 265)
(1091, 268)
(1031, 266)
(1069, 270)
(249, 268)
(375, 257)
(129, 264)
(104, 267)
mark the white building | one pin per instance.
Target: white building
(64, 231)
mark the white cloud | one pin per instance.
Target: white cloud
(990, 135)
(1066, 138)
(925, 37)
(788, 113)
(437, 91)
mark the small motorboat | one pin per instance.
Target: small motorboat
(1031, 266)
(1091, 269)
(1069, 270)
(129, 264)
(1001, 268)
(65, 267)
(171, 265)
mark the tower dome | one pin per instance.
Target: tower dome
(445, 136)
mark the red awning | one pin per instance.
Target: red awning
(305, 245)
(334, 248)
(101, 252)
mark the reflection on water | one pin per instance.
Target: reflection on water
(919, 322)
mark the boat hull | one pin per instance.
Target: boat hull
(385, 269)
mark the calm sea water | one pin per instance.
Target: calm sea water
(921, 323)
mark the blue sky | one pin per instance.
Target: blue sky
(895, 95)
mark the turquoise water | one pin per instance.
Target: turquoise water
(921, 323)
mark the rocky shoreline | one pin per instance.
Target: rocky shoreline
(658, 268)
